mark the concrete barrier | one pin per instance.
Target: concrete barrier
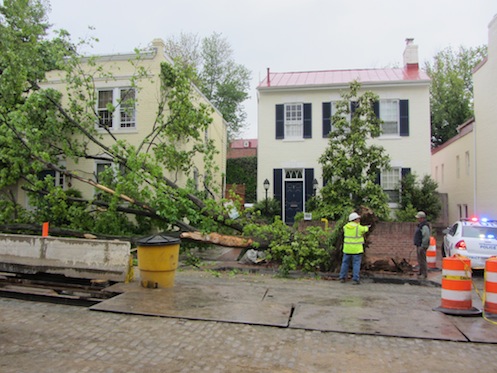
(80, 258)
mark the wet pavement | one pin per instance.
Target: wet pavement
(323, 305)
(233, 321)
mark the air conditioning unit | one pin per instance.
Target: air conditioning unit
(246, 144)
(307, 215)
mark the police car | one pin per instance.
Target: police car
(473, 238)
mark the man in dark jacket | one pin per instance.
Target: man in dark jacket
(422, 241)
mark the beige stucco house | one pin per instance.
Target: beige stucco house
(453, 169)
(133, 123)
(464, 167)
(294, 111)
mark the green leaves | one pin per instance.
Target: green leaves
(350, 165)
(48, 128)
(224, 82)
(451, 90)
(418, 195)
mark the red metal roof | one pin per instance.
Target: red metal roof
(341, 77)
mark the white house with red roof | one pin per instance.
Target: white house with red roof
(242, 148)
(294, 119)
(464, 167)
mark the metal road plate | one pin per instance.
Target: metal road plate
(477, 329)
(212, 303)
(351, 314)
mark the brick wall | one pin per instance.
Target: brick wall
(241, 153)
(392, 240)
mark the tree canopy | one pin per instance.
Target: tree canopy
(41, 128)
(350, 165)
(451, 91)
(223, 81)
(418, 196)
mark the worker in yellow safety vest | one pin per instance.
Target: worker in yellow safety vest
(353, 247)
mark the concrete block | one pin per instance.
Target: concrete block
(72, 257)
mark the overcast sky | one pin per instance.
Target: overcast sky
(284, 35)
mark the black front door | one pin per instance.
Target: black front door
(294, 200)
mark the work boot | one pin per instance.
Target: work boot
(342, 280)
(356, 282)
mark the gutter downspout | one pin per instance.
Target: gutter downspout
(475, 184)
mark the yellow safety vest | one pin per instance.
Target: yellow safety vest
(353, 238)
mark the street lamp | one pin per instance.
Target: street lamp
(314, 186)
(266, 188)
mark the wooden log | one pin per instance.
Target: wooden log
(218, 239)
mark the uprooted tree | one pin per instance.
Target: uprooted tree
(43, 128)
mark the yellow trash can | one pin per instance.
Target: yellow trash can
(158, 260)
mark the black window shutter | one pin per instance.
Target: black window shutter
(309, 179)
(280, 121)
(353, 106)
(278, 184)
(376, 108)
(43, 174)
(378, 178)
(404, 117)
(326, 118)
(307, 121)
(404, 172)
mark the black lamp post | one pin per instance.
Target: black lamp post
(266, 188)
(314, 186)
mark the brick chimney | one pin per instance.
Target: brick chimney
(411, 55)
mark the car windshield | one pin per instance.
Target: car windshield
(479, 232)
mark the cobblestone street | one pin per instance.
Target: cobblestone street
(43, 337)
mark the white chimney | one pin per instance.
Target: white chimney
(411, 55)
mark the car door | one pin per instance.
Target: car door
(450, 239)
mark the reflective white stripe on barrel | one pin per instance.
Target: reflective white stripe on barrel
(431, 253)
(456, 284)
(491, 285)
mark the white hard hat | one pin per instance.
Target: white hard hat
(420, 214)
(354, 216)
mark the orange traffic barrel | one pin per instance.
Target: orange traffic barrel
(456, 287)
(431, 253)
(490, 305)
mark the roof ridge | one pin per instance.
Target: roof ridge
(332, 70)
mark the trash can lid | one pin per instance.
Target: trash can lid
(158, 240)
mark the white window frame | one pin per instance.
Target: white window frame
(101, 163)
(123, 118)
(294, 121)
(390, 183)
(390, 115)
(60, 181)
(294, 174)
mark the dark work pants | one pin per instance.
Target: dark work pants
(423, 267)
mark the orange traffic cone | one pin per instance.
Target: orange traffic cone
(431, 253)
(456, 288)
(44, 229)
